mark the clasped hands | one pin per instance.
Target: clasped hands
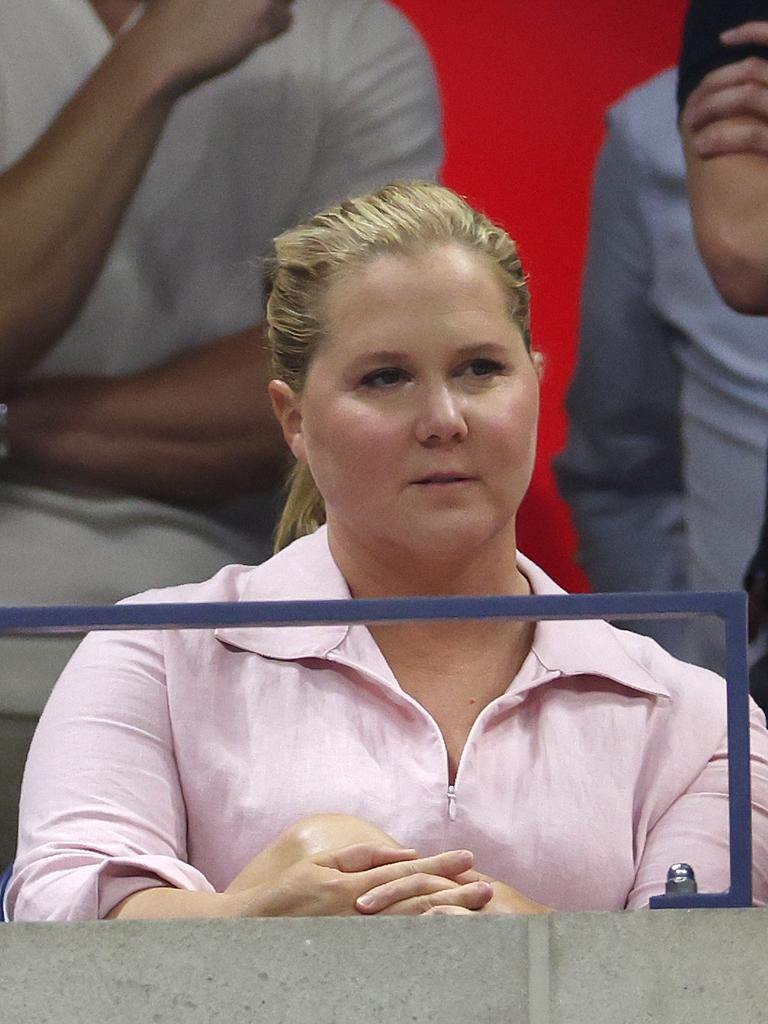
(372, 878)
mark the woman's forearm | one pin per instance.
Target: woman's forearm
(163, 903)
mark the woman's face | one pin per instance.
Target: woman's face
(418, 417)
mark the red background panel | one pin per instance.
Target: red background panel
(525, 85)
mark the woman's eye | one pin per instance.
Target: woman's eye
(386, 377)
(484, 368)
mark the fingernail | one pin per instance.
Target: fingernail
(366, 900)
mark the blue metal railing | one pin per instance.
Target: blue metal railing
(731, 608)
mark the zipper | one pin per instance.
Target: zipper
(334, 657)
(452, 803)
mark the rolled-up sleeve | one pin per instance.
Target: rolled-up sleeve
(102, 811)
(694, 828)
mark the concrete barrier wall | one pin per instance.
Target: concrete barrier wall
(675, 967)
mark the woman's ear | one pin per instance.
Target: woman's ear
(286, 405)
(537, 358)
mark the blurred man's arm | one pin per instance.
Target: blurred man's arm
(61, 204)
(724, 126)
(723, 102)
(196, 429)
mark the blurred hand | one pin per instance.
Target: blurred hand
(203, 38)
(728, 111)
(746, 34)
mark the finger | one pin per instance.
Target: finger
(445, 911)
(752, 69)
(749, 99)
(383, 896)
(749, 32)
(447, 865)
(364, 856)
(732, 136)
(470, 876)
(472, 897)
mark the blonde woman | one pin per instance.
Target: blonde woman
(472, 767)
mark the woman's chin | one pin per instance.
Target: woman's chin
(461, 541)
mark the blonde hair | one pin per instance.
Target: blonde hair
(400, 218)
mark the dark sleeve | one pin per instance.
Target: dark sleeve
(759, 564)
(702, 50)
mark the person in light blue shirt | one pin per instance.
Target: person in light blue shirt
(664, 466)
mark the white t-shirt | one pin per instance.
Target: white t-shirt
(344, 101)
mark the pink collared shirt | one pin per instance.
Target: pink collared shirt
(174, 757)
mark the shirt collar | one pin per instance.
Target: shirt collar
(580, 647)
(306, 571)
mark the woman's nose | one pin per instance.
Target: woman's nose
(440, 417)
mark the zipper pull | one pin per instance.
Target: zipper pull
(452, 803)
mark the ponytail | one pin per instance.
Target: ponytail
(304, 509)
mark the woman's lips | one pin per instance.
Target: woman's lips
(443, 480)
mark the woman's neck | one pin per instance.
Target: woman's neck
(405, 574)
(387, 571)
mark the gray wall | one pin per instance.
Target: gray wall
(700, 966)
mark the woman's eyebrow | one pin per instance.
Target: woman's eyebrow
(388, 356)
(483, 348)
(380, 356)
